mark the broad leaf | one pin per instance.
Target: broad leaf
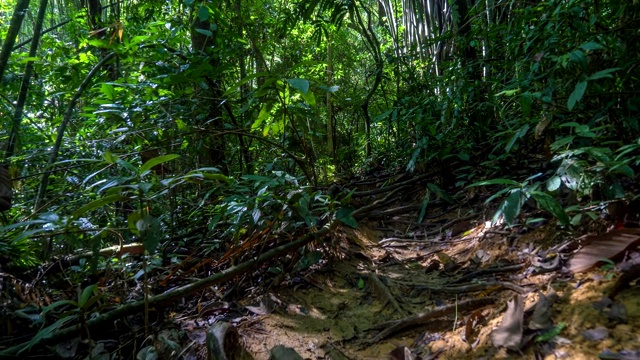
(511, 206)
(548, 203)
(156, 161)
(577, 94)
(150, 232)
(554, 183)
(86, 295)
(509, 333)
(608, 245)
(301, 85)
(109, 199)
(589, 46)
(602, 74)
(441, 193)
(203, 13)
(495, 182)
(344, 215)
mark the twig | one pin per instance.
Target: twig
(475, 287)
(494, 270)
(430, 233)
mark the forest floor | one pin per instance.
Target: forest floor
(449, 287)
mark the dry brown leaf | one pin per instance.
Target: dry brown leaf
(509, 332)
(401, 353)
(473, 322)
(541, 317)
(603, 246)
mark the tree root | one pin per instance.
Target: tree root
(392, 327)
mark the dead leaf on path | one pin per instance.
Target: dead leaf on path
(509, 332)
(401, 353)
(541, 317)
(603, 246)
(474, 321)
(597, 334)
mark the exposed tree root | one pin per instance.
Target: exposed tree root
(395, 326)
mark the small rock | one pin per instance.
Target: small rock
(281, 352)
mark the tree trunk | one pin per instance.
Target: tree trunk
(330, 123)
(214, 143)
(14, 29)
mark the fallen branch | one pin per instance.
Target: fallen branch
(169, 296)
(384, 290)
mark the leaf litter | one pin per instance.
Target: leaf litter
(397, 288)
(483, 293)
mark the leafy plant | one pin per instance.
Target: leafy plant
(516, 194)
(79, 310)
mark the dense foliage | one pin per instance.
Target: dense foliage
(129, 121)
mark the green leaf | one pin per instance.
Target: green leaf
(57, 304)
(511, 206)
(508, 92)
(344, 216)
(550, 333)
(495, 182)
(203, 13)
(132, 220)
(156, 161)
(309, 98)
(498, 194)
(150, 232)
(109, 158)
(86, 295)
(108, 91)
(577, 94)
(46, 332)
(548, 203)
(554, 183)
(301, 85)
(127, 165)
(441, 193)
(602, 74)
(204, 32)
(109, 199)
(265, 112)
(423, 206)
(519, 134)
(525, 103)
(589, 46)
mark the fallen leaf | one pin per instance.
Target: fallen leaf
(541, 317)
(401, 353)
(622, 355)
(597, 334)
(617, 313)
(509, 333)
(473, 322)
(603, 246)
